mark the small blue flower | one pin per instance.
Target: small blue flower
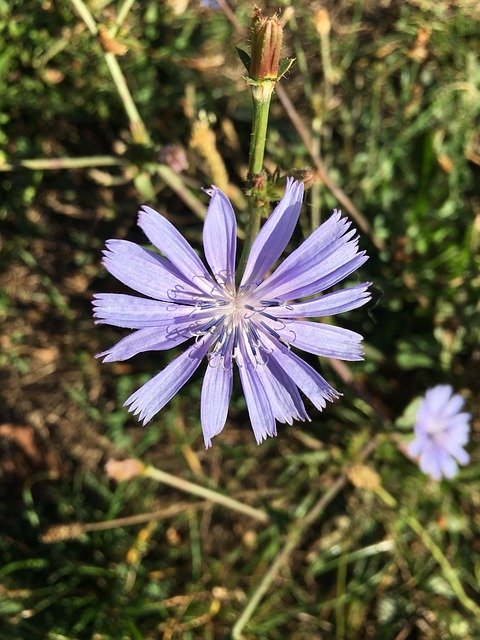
(441, 432)
(254, 324)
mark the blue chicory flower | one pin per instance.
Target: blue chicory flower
(441, 431)
(254, 324)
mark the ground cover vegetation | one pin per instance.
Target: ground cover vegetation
(329, 530)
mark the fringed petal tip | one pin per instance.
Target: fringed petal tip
(104, 355)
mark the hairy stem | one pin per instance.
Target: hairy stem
(261, 107)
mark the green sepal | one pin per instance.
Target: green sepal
(245, 58)
(284, 66)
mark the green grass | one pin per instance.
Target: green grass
(396, 122)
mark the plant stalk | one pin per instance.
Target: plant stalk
(262, 95)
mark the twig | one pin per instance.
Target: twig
(137, 126)
(292, 540)
(59, 532)
(204, 492)
(323, 174)
(304, 134)
(63, 163)
(448, 571)
(121, 16)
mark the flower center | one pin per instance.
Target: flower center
(434, 425)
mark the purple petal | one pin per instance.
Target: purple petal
(163, 235)
(323, 339)
(460, 454)
(429, 464)
(415, 447)
(454, 405)
(270, 243)
(436, 398)
(259, 409)
(328, 256)
(311, 383)
(220, 237)
(329, 304)
(281, 403)
(447, 464)
(154, 395)
(299, 412)
(132, 312)
(150, 339)
(216, 392)
(143, 270)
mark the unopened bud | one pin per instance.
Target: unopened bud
(267, 36)
(174, 156)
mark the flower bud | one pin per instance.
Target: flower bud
(267, 35)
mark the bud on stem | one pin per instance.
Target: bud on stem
(264, 69)
(267, 36)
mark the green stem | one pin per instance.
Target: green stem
(38, 164)
(448, 571)
(293, 539)
(259, 135)
(137, 126)
(261, 109)
(204, 492)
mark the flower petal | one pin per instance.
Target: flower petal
(461, 455)
(429, 463)
(154, 395)
(216, 392)
(311, 383)
(132, 312)
(328, 256)
(415, 447)
(329, 304)
(163, 235)
(283, 408)
(144, 271)
(150, 339)
(454, 405)
(323, 339)
(299, 412)
(220, 237)
(437, 397)
(448, 465)
(275, 234)
(259, 409)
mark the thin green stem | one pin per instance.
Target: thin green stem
(293, 538)
(448, 571)
(259, 134)
(204, 492)
(63, 163)
(121, 16)
(86, 15)
(261, 108)
(137, 126)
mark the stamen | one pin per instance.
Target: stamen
(271, 303)
(210, 326)
(256, 338)
(250, 308)
(211, 282)
(270, 330)
(267, 315)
